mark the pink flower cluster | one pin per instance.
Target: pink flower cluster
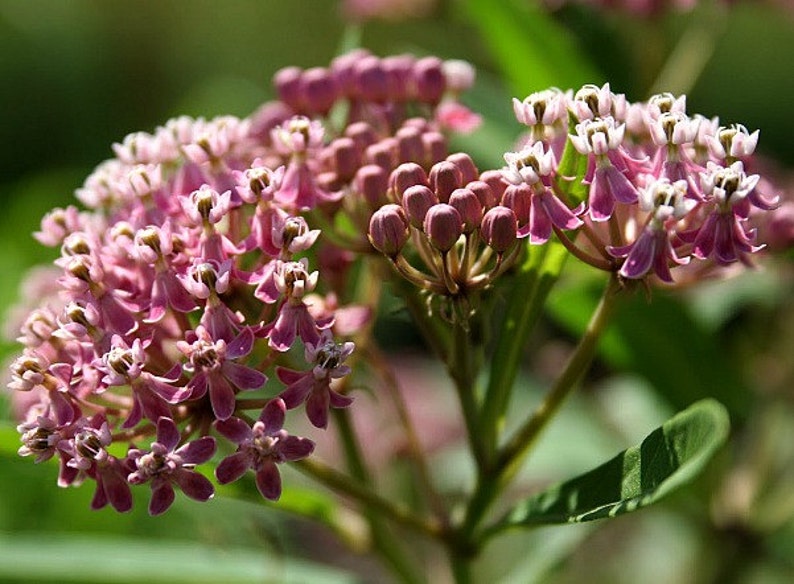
(183, 287)
(663, 186)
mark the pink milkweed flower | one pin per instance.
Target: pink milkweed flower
(123, 365)
(732, 142)
(32, 370)
(602, 140)
(206, 206)
(88, 451)
(313, 387)
(652, 250)
(261, 448)
(722, 236)
(165, 465)
(592, 102)
(456, 117)
(215, 372)
(546, 211)
(57, 224)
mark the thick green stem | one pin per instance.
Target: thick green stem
(388, 546)
(513, 454)
(461, 368)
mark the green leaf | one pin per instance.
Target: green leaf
(571, 172)
(669, 457)
(533, 50)
(45, 558)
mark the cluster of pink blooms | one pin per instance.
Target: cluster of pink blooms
(185, 308)
(663, 186)
(658, 187)
(187, 315)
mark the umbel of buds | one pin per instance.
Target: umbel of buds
(186, 282)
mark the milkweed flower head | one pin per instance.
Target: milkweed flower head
(202, 293)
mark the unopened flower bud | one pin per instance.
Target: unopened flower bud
(346, 158)
(468, 170)
(399, 70)
(287, 82)
(409, 144)
(388, 230)
(404, 176)
(371, 80)
(417, 201)
(518, 198)
(371, 181)
(319, 89)
(383, 153)
(468, 206)
(496, 180)
(429, 80)
(444, 178)
(484, 193)
(499, 229)
(459, 75)
(362, 134)
(435, 144)
(443, 226)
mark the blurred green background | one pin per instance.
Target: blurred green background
(77, 76)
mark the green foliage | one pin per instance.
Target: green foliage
(669, 457)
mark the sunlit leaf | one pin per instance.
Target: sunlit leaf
(669, 457)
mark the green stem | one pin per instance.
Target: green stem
(376, 508)
(513, 454)
(462, 372)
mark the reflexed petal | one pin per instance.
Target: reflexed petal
(620, 186)
(241, 345)
(232, 467)
(194, 485)
(561, 216)
(295, 448)
(268, 481)
(272, 415)
(337, 400)
(197, 451)
(242, 376)
(297, 392)
(221, 397)
(167, 433)
(317, 408)
(234, 429)
(640, 258)
(116, 488)
(539, 225)
(602, 204)
(162, 497)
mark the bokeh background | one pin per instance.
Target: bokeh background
(77, 76)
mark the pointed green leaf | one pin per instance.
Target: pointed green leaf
(534, 51)
(669, 457)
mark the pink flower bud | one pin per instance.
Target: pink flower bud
(346, 158)
(484, 193)
(499, 228)
(371, 181)
(404, 176)
(399, 69)
(383, 153)
(287, 82)
(388, 230)
(496, 181)
(319, 89)
(417, 201)
(409, 144)
(362, 134)
(371, 80)
(468, 206)
(444, 178)
(429, 80)
(443, 226)
(519, 199)
(435, 144)
(459, 75)
(465, 164)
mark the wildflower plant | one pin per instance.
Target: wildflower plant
(225, 272)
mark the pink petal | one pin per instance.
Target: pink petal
(162, 498)
(295, 448)
(221, 397)
(273, 414)
(539, 225)
(317, 408)
(232, 467)
(241, 345)
(268, 481)
(234, 429)
(167, 433)
(197, 451)
(243, 377)
(641, 256)
(194, 485)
